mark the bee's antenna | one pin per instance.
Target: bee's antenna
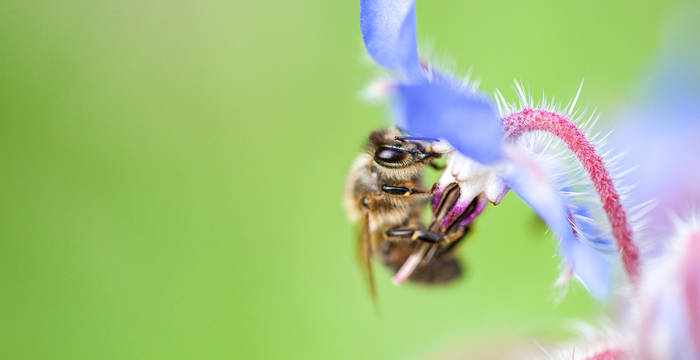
(415, 138)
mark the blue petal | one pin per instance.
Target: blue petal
(591, 266)
(467, 120)
(536, 188)
(389, 32)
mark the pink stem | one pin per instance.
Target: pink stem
(528, 120)
(608, 354)
(691, 279)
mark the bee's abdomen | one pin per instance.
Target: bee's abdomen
(442, 269)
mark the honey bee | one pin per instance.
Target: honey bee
(384, 192)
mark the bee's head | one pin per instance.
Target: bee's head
(390, 151)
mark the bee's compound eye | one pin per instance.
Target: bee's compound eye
(387, 154)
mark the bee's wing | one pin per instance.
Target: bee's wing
(364, 254)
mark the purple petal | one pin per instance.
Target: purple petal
(533, 184)
(389, 32)
(468, 121)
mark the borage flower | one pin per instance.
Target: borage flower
(668, 309)
(660, 128)
(665, 320)
(667, 117)
(491, 149)
(660, 132)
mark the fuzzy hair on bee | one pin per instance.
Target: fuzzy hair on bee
(398, 169)
(385, 194)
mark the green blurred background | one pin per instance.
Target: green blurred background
(172, 176)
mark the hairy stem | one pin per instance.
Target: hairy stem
(691, 284)
(608, 354)
(528, 120)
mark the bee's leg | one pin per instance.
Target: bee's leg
(410, 234)
(404, 190)
(441, 243)
(441, 268)
(446, 246)
(401, 234)
(437, 265)
(452, 237)
(456, 239)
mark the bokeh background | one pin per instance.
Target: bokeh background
(172, 176)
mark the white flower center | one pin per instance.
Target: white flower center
(473, 178)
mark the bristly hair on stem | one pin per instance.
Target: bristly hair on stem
(530, 118)
(559, 125)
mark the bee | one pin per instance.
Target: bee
(384, 191)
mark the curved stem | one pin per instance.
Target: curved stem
(607, 354)
(691, 287)
(528, 120)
